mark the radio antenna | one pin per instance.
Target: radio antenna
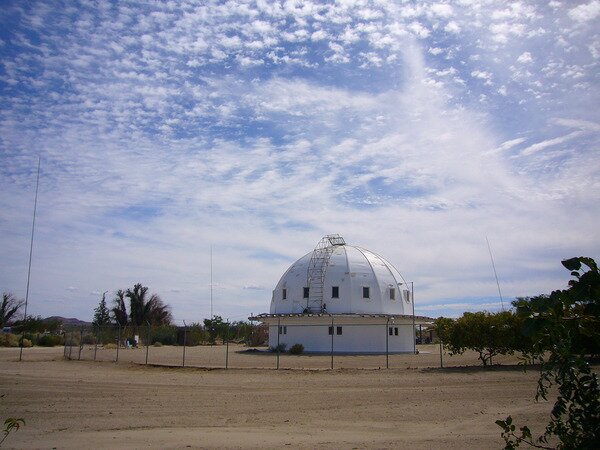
(37, 185)
(495, 274)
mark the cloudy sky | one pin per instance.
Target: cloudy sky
(413, 129)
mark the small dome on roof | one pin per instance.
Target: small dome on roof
(338, 278)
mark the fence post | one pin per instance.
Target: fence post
(332, 333)
(96, 341)
(147, 341)
(80, 343)
(65, 345)
(387, 343)
(227, 346)
(278, 327)
(118, 342)
(441, 352)
(71, 345)
(184, 339)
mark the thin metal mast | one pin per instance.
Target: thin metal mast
(211, 285)
(37, 185)
(495, 274)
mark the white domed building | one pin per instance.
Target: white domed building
(344, 299)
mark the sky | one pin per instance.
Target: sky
(416, 130)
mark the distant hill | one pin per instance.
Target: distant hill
(72, 322)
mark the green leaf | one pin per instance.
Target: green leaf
(572, 263)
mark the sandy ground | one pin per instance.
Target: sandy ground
(415, 404)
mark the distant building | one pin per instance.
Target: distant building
(344, 297)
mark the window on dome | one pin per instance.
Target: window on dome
(283, 294)
(392, 294)
(306, 292)
(335, 292)
(366, 292)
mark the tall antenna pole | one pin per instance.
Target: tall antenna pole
(37, 185)
(495, 274)
(211, 285)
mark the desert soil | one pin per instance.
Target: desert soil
(414, 404)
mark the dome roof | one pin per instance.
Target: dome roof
(338, 278)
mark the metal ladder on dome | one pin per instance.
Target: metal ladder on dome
(317, 267)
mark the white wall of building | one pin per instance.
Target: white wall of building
(355, 338)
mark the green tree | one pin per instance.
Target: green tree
(10, 306)
(101, 313)
(119, 311)
(144, 309)
(215, 327)
(564, 327)
(489, 334)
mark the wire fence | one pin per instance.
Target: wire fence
(194, 346)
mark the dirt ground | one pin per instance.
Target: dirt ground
(414, 404)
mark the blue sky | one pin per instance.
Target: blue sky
(413, 129)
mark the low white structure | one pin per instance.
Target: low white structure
(343, 299)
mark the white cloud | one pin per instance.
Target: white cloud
(319, 35)
(576, 123)
(441, 10)
(538, 146)
(507, 145)
(258, 130)
(482, 75)
(418, 30)
(525, 58)
(452, 27)
(585, 12)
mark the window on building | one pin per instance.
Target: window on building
(392, 294)
(391, 331)
(335, 292)
(339, 331)
(330, 331)
(282, 329)
(306, 292)
(395, 331)
(284, 294)
(366, 292)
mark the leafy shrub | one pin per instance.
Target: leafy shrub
(278, 348)
(50, 340)
(166, 335)
(9, 340)
(563, 328)
(193, 336)
(489, 334)
(110, 346)
(26, 343)
(157, 344)
(72, 339)
(88, 339)
(259, 335)
(297, 349)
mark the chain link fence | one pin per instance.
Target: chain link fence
(230, 348)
